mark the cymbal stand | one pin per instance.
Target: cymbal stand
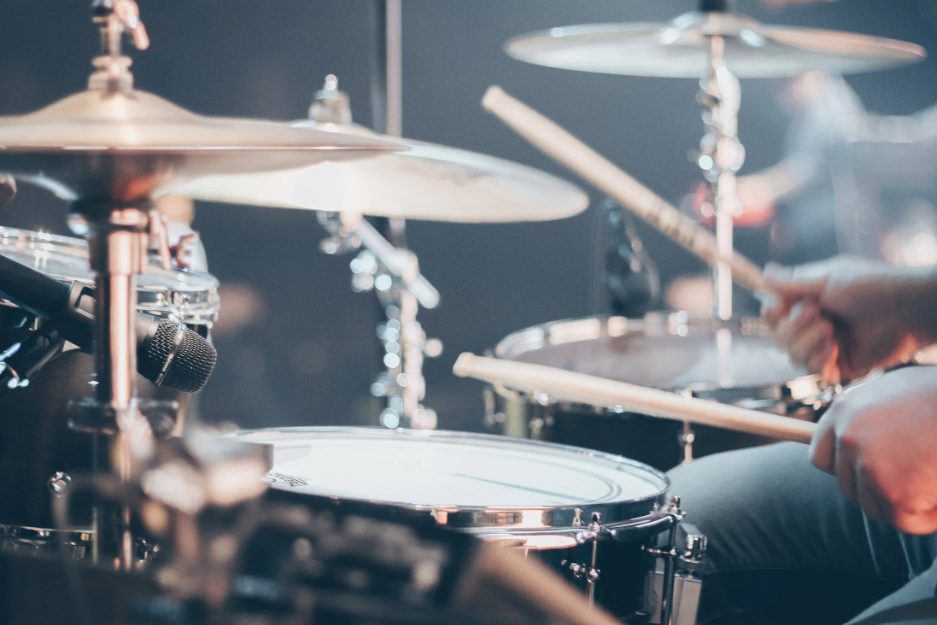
(721, 156)
(118, 235)
(395, 275)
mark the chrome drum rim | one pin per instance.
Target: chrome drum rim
(554, 526)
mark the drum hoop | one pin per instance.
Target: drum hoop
(501, 518)
(653, 523)
(72, 537)
(805, 388)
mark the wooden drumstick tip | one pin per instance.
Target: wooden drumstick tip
(493, 94)
(463, 364)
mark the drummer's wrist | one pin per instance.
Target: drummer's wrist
(916, 299)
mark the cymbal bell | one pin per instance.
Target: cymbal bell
(128, 145)
(428, 181)
(679, 49)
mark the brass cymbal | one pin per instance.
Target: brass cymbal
(428, 181)
(127, 145)
(679, 49)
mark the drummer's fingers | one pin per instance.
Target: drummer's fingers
(774, 308)
(844, 468)
(822, 362)
(797, 282)
(870, 500)
(823, 445)
(921, 523)
(812, 346)
(830, 371)
(802, 315)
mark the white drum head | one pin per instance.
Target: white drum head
(446, 470)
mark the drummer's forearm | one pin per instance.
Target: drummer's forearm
(917, 303)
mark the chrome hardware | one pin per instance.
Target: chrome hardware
(59, 483)
(581, 571)
(721, 155)
(678, 604)
(588, 572)
(330, 105)
(77, 543)
(694, 547)
(116, 18)
(394, 274)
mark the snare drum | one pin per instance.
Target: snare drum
(38, 452)
(733, 362)
(586, 513)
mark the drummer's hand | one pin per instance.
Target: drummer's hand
(840, 318)
(878, 438)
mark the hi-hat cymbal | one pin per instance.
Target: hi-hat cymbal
(679, 49)
(130, 145)
(427, 182)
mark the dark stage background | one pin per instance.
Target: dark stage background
(308, 353)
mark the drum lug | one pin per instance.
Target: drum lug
(588, 572)
(672, 592)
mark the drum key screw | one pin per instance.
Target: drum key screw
(59, 483)
(581, 571)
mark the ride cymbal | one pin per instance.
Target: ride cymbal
(679, 49)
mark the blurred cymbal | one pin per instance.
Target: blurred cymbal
(679, 49)
(429, 181)
(126, 146)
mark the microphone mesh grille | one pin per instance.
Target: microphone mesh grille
(192, 364)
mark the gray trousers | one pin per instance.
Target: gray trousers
(784, 546)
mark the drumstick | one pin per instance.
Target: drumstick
(578, 387)
(577, 156)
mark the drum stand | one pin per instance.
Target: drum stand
(118, 240)
(394, 273)
(721, 155)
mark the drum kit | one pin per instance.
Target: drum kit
(392, 524)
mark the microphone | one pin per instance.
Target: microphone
(629, 276)
(168, 353)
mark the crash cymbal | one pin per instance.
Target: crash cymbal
(127, 145)
(679, 49)
(429, 181)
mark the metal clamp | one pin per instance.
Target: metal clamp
(116, 18)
